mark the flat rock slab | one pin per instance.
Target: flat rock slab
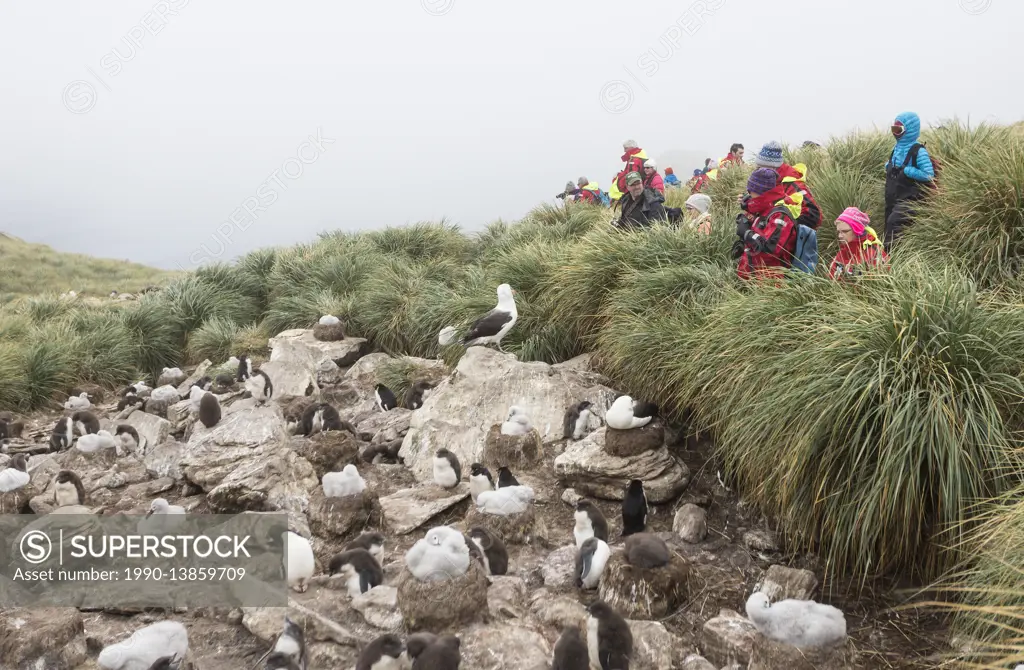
(152, 429)
(408, 509)
(587, 467)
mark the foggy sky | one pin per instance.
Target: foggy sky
(195, 115)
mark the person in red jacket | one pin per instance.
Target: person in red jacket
(651, 177)
(859, 246)
(793, 180)
(735, 157)
(634, 158)
(767, 232)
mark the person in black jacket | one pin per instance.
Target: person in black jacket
(640, 207)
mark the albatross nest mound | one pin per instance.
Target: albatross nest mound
(639, 593)
(332, 333)
(443, 605)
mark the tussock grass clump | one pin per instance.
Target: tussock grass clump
(869, 418)
(421, 241)
(12, 377)
(218, 339)
(158, 335)
(975, 219)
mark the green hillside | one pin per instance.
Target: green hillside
(33, 269)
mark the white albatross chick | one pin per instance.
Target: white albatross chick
(329, 320)
(195, 395)
(348, 482)
(162, 518)
(446, 336)
(620, 416)
(801, 623)
(166, 393)
(78, 403)
(441, 554)
(145, 647)
(300, 561)
(517, 423)
(94, 442)
(505, 501)
(15, 475)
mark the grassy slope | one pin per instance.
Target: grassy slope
(32, 269)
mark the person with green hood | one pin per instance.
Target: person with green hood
(908, 175)
(640, 207)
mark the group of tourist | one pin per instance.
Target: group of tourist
(779, 218)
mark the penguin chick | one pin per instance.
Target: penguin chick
(447, 469)
(383, 653)
(360, 569)
(260, 387)
(63, 434)
(68, 489)
(209, 410)
(634, 508)
(244, 368)
(130, 400)
(646, 550)
(290, 648)
(86, 423)
(571, 651)
(128, 436)
(372, 542)
(443, 654)
(417, 643)
(577, 421)
(414, 396)
(609, 639)
(506, 478)
(479, 480)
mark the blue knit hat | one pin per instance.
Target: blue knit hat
(770, 155)
(762, 180)
(697, 172)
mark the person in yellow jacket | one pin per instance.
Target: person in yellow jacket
(634, 158)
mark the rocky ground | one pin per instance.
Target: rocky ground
(249, 462)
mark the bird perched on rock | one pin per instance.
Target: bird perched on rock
(130, 400)
(300, 562)
(590, 522)
(68, 489)
(372, 542)
(361, 571)
(441, 554)
(591, 559)
(443, 654)
(209, 410)
(609, 639)
(171, 376)
(385, 398)
(645, 550)
(320, 418)
(577, 421)
(146, 646)
(63, 434)
(139, 388)
(621, 416)
(161, 518)
(493, 326)
(571, 651)
(447, 469)
(414, 396)
(386, 652)
(78, 403)
(86, 423)
(348, 482)
(493, 550)
(260, 387)
(479, 480)
(505, 501)
(506, 478)
(128, 436)
(15, 475)
(244, 368)
(634, 508)
(516, 423)
(289, 651)
(801, 623)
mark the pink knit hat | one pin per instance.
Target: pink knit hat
(856, 219)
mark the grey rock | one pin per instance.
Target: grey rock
(408, 509)
(151, 428)
(761, 540)
(558, 569)
(379, 607)
(728, 638)
(781, 583)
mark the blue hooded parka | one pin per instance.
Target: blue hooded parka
(924, 170)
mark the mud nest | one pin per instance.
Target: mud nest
(635, 441)
(343, 516)
(769, 654)
(523, 528)
(511, 450)
(328, 452)
(444, 605)
(639, 593)
(332, 333)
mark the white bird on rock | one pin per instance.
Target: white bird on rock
(146, 646)
(348, 482)
(329, 320)
(78, 403)
(300, 561)
(620, 416)
(493, 326)
(801, 623)
(15, 475)
(505, 501)
(161, 518)
(98, 441)
(517, 423)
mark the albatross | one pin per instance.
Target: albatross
(494, 325)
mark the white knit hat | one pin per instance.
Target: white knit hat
(699, 202)
(629, 144)
(651, 163)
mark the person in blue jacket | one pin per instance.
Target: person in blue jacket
(908, 175)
